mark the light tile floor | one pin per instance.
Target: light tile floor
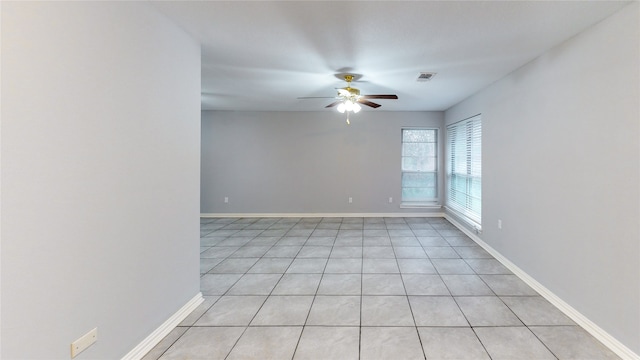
(364, 288)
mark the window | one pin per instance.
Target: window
(419, 166)
(464, 170)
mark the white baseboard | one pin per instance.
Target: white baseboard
(155, 337)
(308, 215)
(605, 338)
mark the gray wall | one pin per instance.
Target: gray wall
(305, 162)
(100, 175)
(561, 170)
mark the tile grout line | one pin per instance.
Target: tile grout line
(439, 272)
(404, 286)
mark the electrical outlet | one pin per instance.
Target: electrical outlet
(499, 224)
(226, 200)
(84, 342)
(390, 200)
(350, 200)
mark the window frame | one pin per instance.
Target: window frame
(426, 202)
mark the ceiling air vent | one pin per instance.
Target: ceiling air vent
(426, 76)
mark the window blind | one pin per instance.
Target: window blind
(464, 172)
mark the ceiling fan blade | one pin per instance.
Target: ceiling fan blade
(368, 103)
(333, 104)
(379, 97)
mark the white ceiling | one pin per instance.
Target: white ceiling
(263, 55)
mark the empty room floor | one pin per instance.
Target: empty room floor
(364, 288)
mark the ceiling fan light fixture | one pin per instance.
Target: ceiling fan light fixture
(342, 108)
(356, 108)
(348, 105)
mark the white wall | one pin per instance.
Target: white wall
(561, 168)
(305, 162)
(100, 175)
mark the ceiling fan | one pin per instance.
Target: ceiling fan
(349, 98)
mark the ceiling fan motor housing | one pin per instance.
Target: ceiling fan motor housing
(352, 91)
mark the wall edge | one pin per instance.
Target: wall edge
(163, 330)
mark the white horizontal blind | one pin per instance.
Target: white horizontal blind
(464, 172)
(419, 166)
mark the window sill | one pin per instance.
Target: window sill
(420, 206)
(476, 226)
